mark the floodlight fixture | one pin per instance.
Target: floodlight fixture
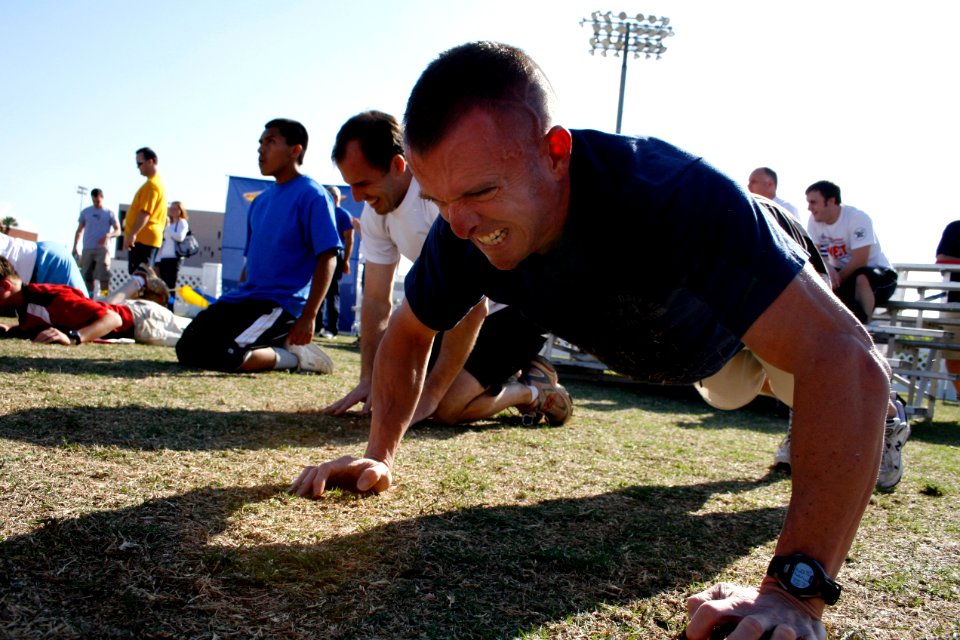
(622, 34)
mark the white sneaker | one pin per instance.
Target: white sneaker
(781, 459)
(310, 357)
(895, 435)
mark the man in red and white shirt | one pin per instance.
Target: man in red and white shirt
(60, 314)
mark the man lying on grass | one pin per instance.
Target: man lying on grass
(705, 288)
(61, 314)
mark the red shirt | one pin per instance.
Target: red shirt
(66, 308)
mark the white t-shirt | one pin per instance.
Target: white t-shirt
(22, 254)
(399, 233)
(852, 230)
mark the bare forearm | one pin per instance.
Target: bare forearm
(374, 315)
(139, 224)
(100, 327)
(456, 347)
(322, 275)
(834, 460)
(399, 372)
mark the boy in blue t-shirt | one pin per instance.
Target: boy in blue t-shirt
(268, 322)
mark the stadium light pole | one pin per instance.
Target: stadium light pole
(83, 192)
(624, 35)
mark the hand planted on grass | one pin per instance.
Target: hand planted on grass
(302, 331)
(360, 475)
(52, 335)
(771, 613)
(360, 393)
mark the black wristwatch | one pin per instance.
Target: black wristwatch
(74, 336)
(802, 576)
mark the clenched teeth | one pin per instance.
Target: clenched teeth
(493, 238)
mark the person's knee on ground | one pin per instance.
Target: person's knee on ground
(202, 347)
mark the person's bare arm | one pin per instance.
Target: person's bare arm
(347, 250)
(76, 239)
(374, 313)
(302, 330)
(454, 351)
(398, 377)
(100, 327)
(142, 217)
(840, 400)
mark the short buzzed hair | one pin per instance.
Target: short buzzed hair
(471, 76)
(378, 134)
(770, 173)
(95, 193)
(293, 132)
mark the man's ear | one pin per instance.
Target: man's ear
(295, 152)
(559, 145)
(398, 164)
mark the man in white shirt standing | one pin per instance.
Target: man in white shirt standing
(860, 273)
(763, 182)
(472, 364)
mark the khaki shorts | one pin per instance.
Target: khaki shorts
(95, 265)
(153, 324)
(741, 380)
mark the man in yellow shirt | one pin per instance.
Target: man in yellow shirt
(143, 226)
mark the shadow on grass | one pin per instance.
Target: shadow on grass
(151, 428)
(89, 365)
(763, 414)
(481, 572)
(947, 433)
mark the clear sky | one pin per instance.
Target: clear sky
(860, 93)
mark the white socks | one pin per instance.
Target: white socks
(285, 359)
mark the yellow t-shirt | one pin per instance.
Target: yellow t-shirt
(151, 197)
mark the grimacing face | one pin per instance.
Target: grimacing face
(383, 191)
(497, 186)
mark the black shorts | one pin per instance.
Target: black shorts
(221, 335)
(883, 281)
(506, 343)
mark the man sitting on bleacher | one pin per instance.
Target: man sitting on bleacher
(860, 275)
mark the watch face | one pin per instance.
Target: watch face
(802, 576)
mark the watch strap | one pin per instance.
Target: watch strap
(823, 587)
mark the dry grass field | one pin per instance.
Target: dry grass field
(141, 500)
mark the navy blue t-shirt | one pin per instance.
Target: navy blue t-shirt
(663, 265)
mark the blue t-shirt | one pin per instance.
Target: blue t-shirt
(663, 265)
(288, 226)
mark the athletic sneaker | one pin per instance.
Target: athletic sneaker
(781, 458)
(327, 334)
(553, 401)
(310, 357)
(896, 431)
(154, 289)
